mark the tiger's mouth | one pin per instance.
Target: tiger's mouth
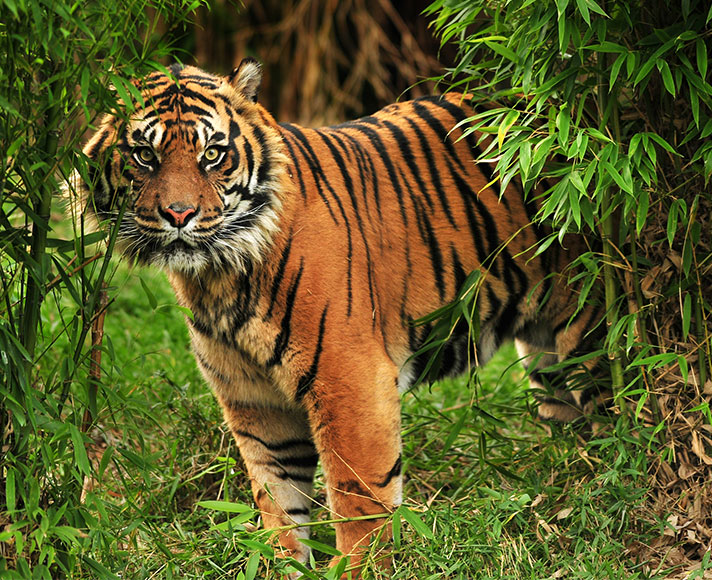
(177, 255)
(180, 245)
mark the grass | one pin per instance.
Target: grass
(489, 493)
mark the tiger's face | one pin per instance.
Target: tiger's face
(195, 172)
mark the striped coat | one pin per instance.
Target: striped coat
(306, 255)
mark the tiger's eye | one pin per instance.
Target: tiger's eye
(211, 154)
(146, 155)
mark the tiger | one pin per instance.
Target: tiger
(306, 255)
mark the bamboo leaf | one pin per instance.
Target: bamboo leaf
(261, 547)
(320, 547)
(80, 452)
(561, 6)
(686, 315)
(641, 212)
(707, 129)
(644, 70)
(664, 144)
(684, 371)
(574, 206)
(149, 294)
(668, 81)
(396, 531)
(416, 523)
(252, 564)
(701, 51)
(594, 7)
(525, 159)
(672, 223)
(509, 120)
(613, 172)
(502, 50)
(563, 121)
(10, 487)
(119, 86)
(583, 10)
(687, 256)
(225, 506)
(454, 432)
(564, 31)
(607, 46)
(615, 69)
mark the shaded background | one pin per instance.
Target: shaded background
(324, 60)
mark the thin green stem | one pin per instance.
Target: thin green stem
(702, 339)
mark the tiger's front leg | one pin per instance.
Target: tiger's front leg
(355, 418)
(277, 448)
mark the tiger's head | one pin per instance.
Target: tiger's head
(195, 171)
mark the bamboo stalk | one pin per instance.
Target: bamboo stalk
(607, 98)
(611, 297)
(34, 291)
(640, 322)
(97, 337)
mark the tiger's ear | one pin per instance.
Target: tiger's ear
(246, 78)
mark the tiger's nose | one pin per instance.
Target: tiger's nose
(178, 214)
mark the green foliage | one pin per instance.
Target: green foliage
(488, 494)
(58, 63)
(608, 106)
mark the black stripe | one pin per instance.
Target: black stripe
(296, 166)
(96, 147)
(284, 474)
(458, 270)
(278, 276)
(434, 176)
(307, 380)
(312, 163)
(355, 151)
(345, 174)
(495, 305)
(477, 215)
(265, 164)
(210, 368)
(276, 447)
(459, 115)
(316, 167)
(234, 131)
(437, 127)
(384, 155)
(395, 471)
(304, 461)
(368, 185)
(249, 156)
(406, 153)
(195, 109)
(185, 92)
(363, 157)
(431, 241)
(285, 328)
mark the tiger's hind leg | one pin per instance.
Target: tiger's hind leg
(277, 448)
(569, 391)
(556, 401)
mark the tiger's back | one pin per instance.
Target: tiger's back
(305, 256)
(406, 214)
